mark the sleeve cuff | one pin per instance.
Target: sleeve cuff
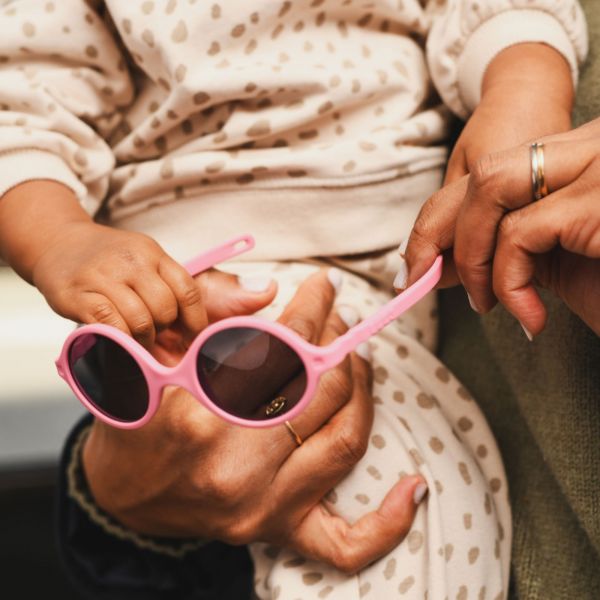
(29, 164)
(79, 492)
(501, 31)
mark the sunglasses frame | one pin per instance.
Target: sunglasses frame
(316, 359)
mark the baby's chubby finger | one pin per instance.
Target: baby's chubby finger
(191, 311)
(95, 307)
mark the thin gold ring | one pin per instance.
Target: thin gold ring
(538, 176)
(294, 433)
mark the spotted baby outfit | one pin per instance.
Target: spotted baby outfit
(165, 111)
(425, 422)
(319, 126)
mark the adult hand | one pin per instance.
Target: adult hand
(504, 243)
(526, 93)
(188, 473)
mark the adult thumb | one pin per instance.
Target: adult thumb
(226, 295)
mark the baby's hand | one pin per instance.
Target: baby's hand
(96, 274)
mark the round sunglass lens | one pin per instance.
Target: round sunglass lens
(251, 374)
(109, 377)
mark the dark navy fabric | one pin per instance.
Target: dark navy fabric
(104, 567)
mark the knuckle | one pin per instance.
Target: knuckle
(142, 327)
(485, 171)
(190, 296)
(241, 531)
(305, 328)
(346, 559)
(349, 447)
(167, 314)
(508, 225)
(103, 312)
(337, 383)
(423, 236)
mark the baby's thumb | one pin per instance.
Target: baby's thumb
(226, 295)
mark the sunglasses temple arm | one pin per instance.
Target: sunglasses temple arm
(230, 249)
(388, 313)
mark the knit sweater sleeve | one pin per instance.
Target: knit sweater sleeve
(465, 35)
(63, 80)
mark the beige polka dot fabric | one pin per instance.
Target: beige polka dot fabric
(425, 422)
(143, 104)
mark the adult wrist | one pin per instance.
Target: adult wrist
(102, 514)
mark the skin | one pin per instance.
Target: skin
(91, 273)
(221, 491)
(218, 489)
(488, 181)
(517, 105)
(553, 243)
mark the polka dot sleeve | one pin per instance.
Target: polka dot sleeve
(466, 35)
(62, 82)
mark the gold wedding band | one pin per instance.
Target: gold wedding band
(294, 433)
(538, 177)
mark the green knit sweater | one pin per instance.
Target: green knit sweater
(543, 403)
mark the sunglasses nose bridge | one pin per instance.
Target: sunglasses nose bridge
(181, 376)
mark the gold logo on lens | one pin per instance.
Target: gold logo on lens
(275, 406)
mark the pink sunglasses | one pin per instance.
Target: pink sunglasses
(247, 370)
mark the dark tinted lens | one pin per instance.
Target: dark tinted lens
(109, 377)
(251, 374)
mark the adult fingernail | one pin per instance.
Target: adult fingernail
(527, 332)
(472, 303)
(401, 277)
(402, 248)
(256, 284)
(419, 493)
(364, 351)
(335, 278)
(349, 315)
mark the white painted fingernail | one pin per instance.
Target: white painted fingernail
(402, 248)
(401, 277)
(472, 303)
(527, 332)
(254, 283)
(364, 351)
(335, 278)
(419, 493)
(349, 315)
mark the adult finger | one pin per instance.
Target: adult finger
(335, 385)
(349, 548)
(433, 234)
(457, 165)
(500, 183)
(226, 295)
(308, 310)
(331, 452)
(569, 218)
(191, 309)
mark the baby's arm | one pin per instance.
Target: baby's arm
(63, 86)
(92, 273)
